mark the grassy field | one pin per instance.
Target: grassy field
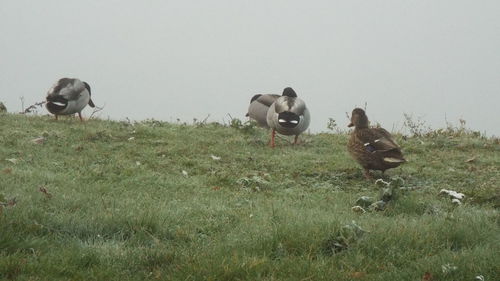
(105, 200)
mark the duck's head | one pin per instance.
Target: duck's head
(358, 119)
(289, 92)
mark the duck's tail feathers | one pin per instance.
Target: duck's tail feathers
(255, 97)
(91, 103)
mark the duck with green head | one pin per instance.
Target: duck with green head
(372, 148)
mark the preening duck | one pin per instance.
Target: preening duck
(372, 148)
(68, 96)
(288, 115)
(259, 105)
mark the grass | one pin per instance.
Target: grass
(105, 200)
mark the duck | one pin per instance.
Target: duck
(259, 105)
(372, 148)
(288, 115)
(69, 96)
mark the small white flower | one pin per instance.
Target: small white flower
(184, 173)
(215, 157)
(131, 138)
(138, 163)
(447, 268)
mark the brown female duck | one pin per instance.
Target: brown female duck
(372, 148)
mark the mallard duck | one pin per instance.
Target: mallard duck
(2, 107)
(372, 148)
(68, 96)
(259, 105)
(288, 115)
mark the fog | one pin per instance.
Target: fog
(436, 60)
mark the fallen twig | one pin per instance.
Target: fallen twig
(96, 109)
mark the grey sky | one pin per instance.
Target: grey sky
(188, 59)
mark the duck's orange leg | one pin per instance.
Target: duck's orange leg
(296, 139)
(273, 134)
(80, 115)
(56, 116)
(367, 174)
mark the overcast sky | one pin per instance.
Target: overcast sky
(436, 60)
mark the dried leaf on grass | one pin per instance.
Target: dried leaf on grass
(12, 160)
(10, 203)
(427, 277)
(44, 190)
(358, 209)
(358, 275)
(470, 160)
(39, 140)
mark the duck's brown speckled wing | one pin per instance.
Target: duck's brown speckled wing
(374, 149)
(378, 138)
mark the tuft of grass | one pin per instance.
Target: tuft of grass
(152, 200)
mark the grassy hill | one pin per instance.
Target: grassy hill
(105, 200)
